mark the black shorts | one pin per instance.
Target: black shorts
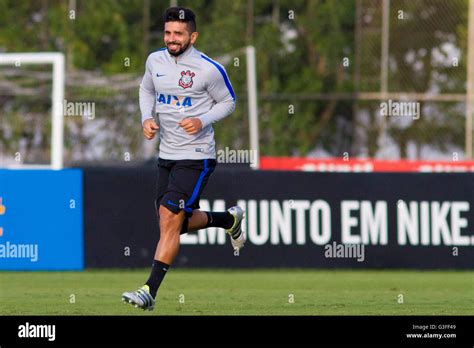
(181, 182)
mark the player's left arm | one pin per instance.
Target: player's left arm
(220, 89)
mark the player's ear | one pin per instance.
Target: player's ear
(194, 37)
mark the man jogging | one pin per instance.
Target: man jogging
(189, 91)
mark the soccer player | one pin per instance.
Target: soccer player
(189, 91)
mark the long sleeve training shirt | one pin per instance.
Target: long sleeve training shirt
(190, 85)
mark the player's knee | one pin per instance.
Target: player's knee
(165, 214)
(168, 219)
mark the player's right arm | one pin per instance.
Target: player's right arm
(147, 102)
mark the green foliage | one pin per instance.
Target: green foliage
(300, 50)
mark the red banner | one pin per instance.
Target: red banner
(361, 165)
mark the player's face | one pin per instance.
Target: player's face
(178, 38)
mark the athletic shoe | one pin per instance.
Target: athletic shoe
(237, 235)
(140, 298)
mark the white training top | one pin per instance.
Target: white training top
(190, 85)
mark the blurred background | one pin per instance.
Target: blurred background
(323, 68)
(325, 72)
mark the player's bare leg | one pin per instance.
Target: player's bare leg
(170, 226)
(166, 251)
(197, 221)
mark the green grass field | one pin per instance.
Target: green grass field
(242, 292)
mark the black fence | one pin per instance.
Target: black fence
(293, 219)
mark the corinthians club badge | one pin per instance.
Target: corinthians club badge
(186, 79)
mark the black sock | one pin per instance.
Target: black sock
(158, 272)
(223, 220)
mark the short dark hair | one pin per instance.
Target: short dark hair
(183, 15)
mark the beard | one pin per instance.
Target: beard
(177, 53)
